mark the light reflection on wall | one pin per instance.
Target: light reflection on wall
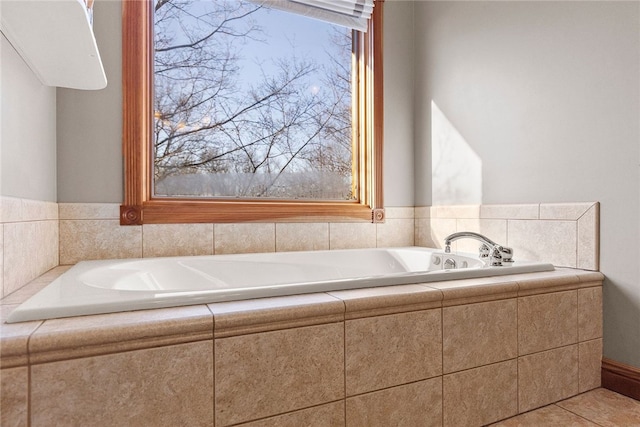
(456, 168)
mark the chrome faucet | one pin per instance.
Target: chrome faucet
(490, 252)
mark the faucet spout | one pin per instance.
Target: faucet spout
(493, 253)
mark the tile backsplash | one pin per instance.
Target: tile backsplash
(28, 241)
(92, 231)
(564, 234)
(36, 236)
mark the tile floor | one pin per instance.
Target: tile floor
(599, 407)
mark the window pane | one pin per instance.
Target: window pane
(251, 103)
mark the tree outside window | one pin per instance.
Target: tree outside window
(251, 102)
(227, 117)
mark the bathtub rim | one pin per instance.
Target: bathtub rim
(39, 306)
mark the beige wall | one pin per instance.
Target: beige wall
(28, 135)
(545, 97)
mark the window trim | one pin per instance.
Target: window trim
(140, 207)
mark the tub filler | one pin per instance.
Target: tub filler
(107, 286)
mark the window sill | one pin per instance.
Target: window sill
(177, 211)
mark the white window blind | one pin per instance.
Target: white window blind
(347, 13)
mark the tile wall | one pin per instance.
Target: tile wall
(565, 234)
(28, 241)
(92, 231)
(36, 236)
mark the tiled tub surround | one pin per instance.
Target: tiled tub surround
(570, 233)
(92, 231)
(458, 353)
(35, 235)
(28, 241)
(564, 234)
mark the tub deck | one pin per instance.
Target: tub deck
(463, 352)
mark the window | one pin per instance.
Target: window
(277, 151)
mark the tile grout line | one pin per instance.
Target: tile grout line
(364, 393)
(29, 368)
(577, 244)
(518, 351)
(293, 411)
(344, 360)
(578, 334)
(577, 415)
(213, 368)
(442, 360)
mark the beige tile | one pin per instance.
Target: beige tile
(479, 334)
(589, 313)
(52, 274)
(589, 239)
(561, 279)
(144, 387)
(558, 246)
(494, 229)
(98, 239)
(589, 279)
(24, 293)
(12, 209)
(547, 377)
(390, 350)
(422, 233)
(14, 397)
(160, 240)
(403, 212)
(395, 233)
(30, 249)
(37, 210)
(266, 374)
(350, 235)
(329, 415)
(244, 238)
(48, 256)
(416, 404)
(61, 339)
(604, 407)
(302, 236)
(564, 211)
(270, 314)
(480, 396)
(89, 210)
(33, 287)
(470, 291)
(589, 365)
(422, 211)
(21, 210)
(439, 229)
(14, 338)
(455, 211)
(550, 415)
(523, 211)
(383, 300)
(547, 321)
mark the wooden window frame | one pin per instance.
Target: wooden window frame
(141, 207)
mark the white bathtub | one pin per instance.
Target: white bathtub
(93, 287)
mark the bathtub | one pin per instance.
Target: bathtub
(94, 287)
